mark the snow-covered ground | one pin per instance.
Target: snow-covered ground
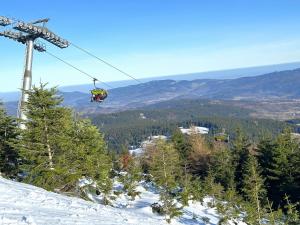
(136, 152)
(25, 204)
(197, 130)
(148, 142)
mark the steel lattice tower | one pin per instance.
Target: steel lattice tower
(28, 33)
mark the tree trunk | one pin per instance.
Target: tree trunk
(48, 145)
(256, 191)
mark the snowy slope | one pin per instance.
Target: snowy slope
(25, 204)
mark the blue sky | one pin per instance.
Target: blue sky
(153, 37)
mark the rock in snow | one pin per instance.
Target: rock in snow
(26, 204)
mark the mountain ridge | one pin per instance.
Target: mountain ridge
(272, 86)
(215, 74)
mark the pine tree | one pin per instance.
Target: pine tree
(223, 167)
(57, 148)
(281, 163)
(181, 144)
(200, 155)
(273, 216)
(292, 215)
(230, 209)
(41, 143)
(212, 188)
(115, 162)
(183, 148)
(165, 167)
(254, 191)
(266, 150)
(8, 155)
(87, 156)
(196, 190)
(187, 189)
(130, 177)
(240, 154)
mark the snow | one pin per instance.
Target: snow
(137, 151)
(198, 130)
(142, 116)
(150, 141)
(26, 204)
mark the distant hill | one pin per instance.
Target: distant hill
(220, 74)
(277, 85)
(9, 96)
(274, 86)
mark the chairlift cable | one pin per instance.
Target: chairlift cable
(76, 68)
(105, 62)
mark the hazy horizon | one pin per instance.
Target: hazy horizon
(232, 73)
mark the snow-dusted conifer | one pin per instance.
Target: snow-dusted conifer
(165, 167)
(131, 175)
(57, 149)
(8, 155)
(254, 190)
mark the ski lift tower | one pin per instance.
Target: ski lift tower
(28, 33)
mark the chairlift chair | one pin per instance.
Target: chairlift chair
(98, 94)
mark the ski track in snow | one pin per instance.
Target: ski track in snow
(23, 204)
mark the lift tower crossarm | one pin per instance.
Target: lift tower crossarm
(4, 21)
(42, 32)
(19, 37)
